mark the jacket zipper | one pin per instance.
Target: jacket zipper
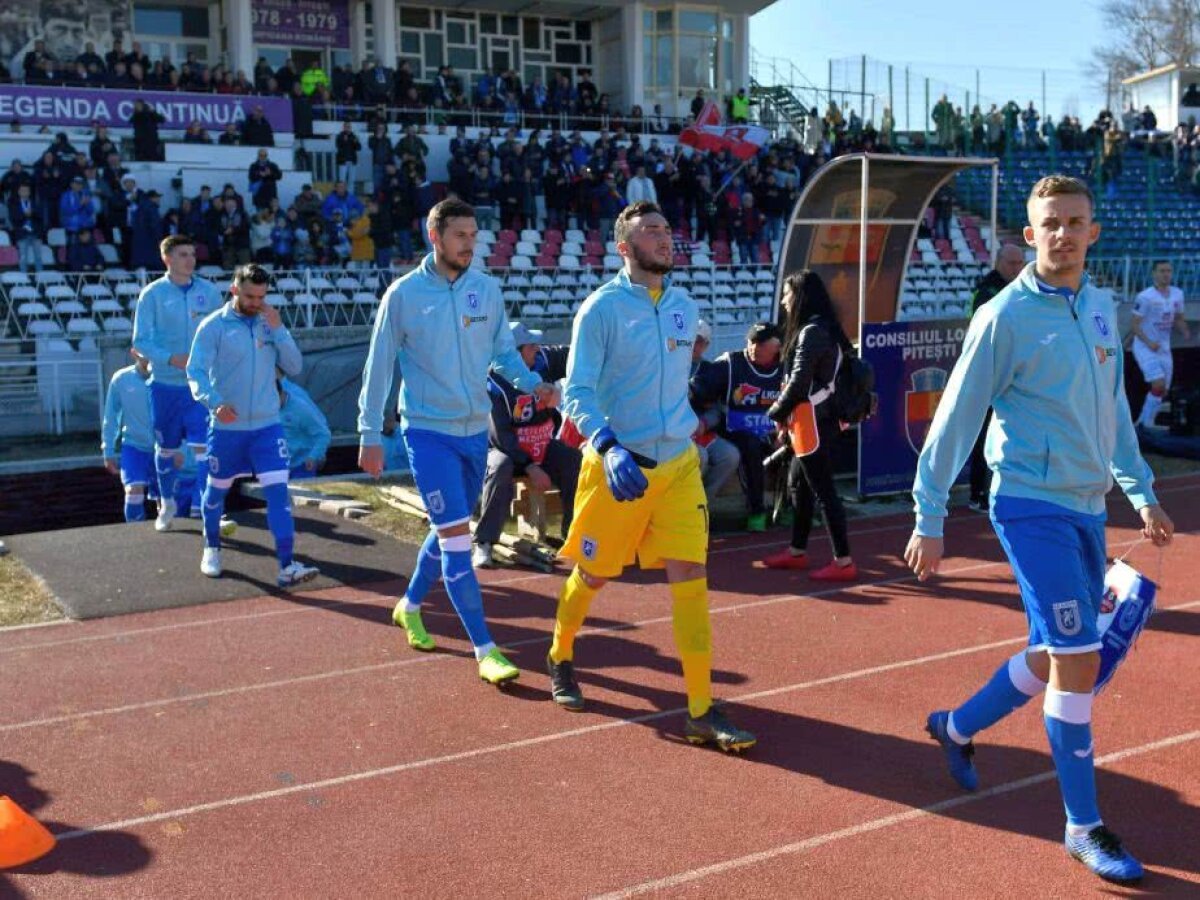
(1092, 372)
(458, 343)
(662, 371)
(253, 369)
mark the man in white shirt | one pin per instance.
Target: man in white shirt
(641, 188)
(1156, 312)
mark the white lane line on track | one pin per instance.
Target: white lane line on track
(762, 856)
(577, 732)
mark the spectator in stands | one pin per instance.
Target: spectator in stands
(640, 187)
(256, 130)
(121, 209)
(337, 238)
(707, 207)
(89, 57)
(748, 223)
(411, 146)
(718, 457)
(346, 147)
(775, 203)
(746, 382)
(314, 77)
(35, 59)
(233, 234)
(383, 154)
(262, 227)
(230, 137)
(195, 134)
(28, 226)
(16, 176)
(83, 255)
(556, 188)
(145, 121)
(814, 342)
(101, 145)
(75, 210)
(381, 231)
(739, 107)
(522, 443)
(943, 212)
(609, 202)
(264, 177)
(307, 203)
(697, 103)
(483, 196)
(342, 201)
(147, 233)
(403, 82)
(362, 246)
(508, 199)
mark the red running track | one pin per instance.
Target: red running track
(265, 748)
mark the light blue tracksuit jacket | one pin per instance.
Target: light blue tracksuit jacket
(304, 426)
(1052, 369)
(126, 413)
(629, 367)
(166, 321)
(446, 336)
(233, 360)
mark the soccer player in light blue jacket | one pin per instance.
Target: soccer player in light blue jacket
(1045, 354)
(126, 429)
(231, 371)
(169, 310)
(446, 325)
(305, 427)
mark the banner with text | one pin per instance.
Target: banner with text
(912, 362)
(302, 23)
(79, 107)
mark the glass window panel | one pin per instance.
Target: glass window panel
(583, 31)
(488, 24)
(587, 53)
(541, 56)
(510, 25)
(456, 33)
(273, 55)
(155, 20)
(532, 29)
(201, 51)
(568, 53)
(413, 18)
(665, 19)
(697, 62)
(530, 72)
(410, 42)
(558, 23)
(664, 77)
(462, 58)
(648, 60)
(433, 50)
(694, 20)
(727, 66)
(648, 20)
(727, 28)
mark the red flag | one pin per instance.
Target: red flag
(707, 133)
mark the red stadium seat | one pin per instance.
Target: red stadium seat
(546, 261)
(553, 236)
(682, 259)
(495, 261)
(9, 256)
(507, 237)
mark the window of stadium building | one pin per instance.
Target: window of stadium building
(473, 42)
(684, 50)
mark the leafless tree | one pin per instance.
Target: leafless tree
(1145, 34)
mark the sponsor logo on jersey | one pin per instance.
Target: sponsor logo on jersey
(524, 408)
(752, 395)
(674, 344)
(468, 321)
(1104, 354)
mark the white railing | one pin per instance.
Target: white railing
(62, 389)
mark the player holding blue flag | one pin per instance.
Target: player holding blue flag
(127, 424)
(231, 371)
(1045, 354)
(446, 325)
(169, 310)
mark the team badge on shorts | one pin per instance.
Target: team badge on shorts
(473, 299)
(214, 465)
(1101, 324)
(588, 546)
(1067, 619)
(435, 503)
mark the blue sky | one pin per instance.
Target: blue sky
(938, 39)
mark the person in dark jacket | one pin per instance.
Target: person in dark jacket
(264, 177)
(27, 226)
(147, 233)
(522, 442)
(257, 131)
(816, 345)
(145, 121)
(1009, 263)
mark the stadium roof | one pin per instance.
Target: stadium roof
(584, 9)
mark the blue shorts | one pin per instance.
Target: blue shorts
(137, 466)
(1058, 556)
(448, 471)
(262, 452)
(176, 415)
(301, 471)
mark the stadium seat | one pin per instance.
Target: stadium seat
(117, 325)
(56, 237)
(568, 261)
(521, 262)
(56, 292)
(530, 235)
(613, 262)
(347, 283)
(44, 328)
(14, 278)
(69, 308)
(81, 326)
(574, 234)
(96, 292)
(527, 248)
(486, 235)
(108, 253)
(23, 293)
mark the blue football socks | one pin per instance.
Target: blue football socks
(427, 570)
(1069, 727)
(1010, 688)
(463, 588)
(279, 520)
(212, 507)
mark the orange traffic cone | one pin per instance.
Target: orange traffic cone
(22, 838)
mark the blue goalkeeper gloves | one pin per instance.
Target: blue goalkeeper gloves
(624, 476)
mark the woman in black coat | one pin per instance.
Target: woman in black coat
(814, 346)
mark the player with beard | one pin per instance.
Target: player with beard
(640, 494)
(446, 325)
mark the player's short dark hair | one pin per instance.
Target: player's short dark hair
(443, 212)
(1159, 262)
(252, 273)
(171, 241)
(1055, 185)
(623, 227)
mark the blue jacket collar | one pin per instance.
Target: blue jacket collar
(1029, 280)
(623, 278)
